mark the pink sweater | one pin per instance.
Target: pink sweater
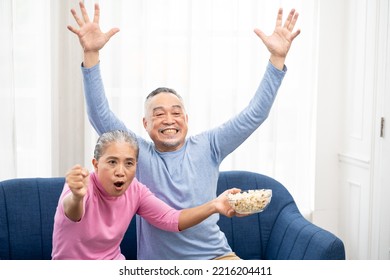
(101, 229)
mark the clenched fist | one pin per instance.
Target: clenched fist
(77, 180)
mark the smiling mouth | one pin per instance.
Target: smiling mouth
(169, 131)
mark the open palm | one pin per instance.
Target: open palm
(279, 42)
(90, 35)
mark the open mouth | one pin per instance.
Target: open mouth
(119, 184)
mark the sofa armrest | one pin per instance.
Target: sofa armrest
(294, 237)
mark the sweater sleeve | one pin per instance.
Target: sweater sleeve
(227, 137)
(157, 212)
(99, 113)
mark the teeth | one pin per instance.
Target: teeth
(169, 131)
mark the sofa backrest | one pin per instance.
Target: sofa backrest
(27, 208)
(280, 232)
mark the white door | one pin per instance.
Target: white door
(380, 241)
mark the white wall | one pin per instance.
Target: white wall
(330, 92)
(350, 180)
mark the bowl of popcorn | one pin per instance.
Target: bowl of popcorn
(250, 201)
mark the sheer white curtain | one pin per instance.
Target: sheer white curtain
(25, 100)
(208, 52)
(41, 100)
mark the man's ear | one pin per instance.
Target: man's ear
(145, 122)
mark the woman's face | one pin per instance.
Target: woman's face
(116, 167)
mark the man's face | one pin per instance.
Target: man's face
(116, 167)
(166, 121)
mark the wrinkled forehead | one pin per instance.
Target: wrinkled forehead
(163, 100)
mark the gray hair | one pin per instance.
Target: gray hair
(163, 89)
(114, 136)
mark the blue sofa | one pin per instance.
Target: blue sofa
(27, 207)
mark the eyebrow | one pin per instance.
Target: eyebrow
(162, 108)
(113, 157)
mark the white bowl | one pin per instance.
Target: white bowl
(250, 201)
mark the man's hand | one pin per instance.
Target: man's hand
(91, 38)
(280, 41)
(222, 203)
